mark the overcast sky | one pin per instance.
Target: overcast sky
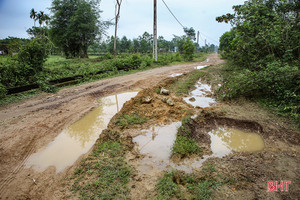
(136, 17)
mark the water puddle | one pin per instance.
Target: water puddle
(156, 145)
(175, 75)
(77, 139)
(226, 140)
(199, 96)
(201, 67)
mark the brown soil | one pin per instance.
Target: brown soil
(28, 126)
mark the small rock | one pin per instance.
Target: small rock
(170, 102)
(192, 99)
(133, 186)
(164, 91)
(146, 99)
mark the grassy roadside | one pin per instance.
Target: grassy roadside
(217, 77)
(198, 185)
(60, 67)
(104, 174)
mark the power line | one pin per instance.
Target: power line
(209, 37)
(173, 14)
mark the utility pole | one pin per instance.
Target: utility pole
(198, 34)
(155, 32)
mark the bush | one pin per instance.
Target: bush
(188, 50)
(3, 91)
(34, 54)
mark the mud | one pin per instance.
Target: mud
(78, 139)
(29, 126)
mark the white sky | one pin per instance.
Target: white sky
(136, 17)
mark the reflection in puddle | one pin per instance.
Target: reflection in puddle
(77, 139)
(198, 97)
(156, 144)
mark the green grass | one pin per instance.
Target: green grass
(165, 187)
(18, 97)
(185, 146)
(178, 185)
(126, 120)
(104, 174)
(183, 86)
(60, 67)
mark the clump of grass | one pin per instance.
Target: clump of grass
(104, 174)
(165, 187)
(127, 119)
(178, 185)
(183, 86)
(185, 146)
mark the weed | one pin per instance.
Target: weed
(104, 174)
(166, 188)
(183, 86)
(185, 146)
(125, 120)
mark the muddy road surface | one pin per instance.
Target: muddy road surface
(28, 126)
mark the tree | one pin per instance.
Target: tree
(188, 49)
(33, 14)
(117, 17)
(75, 25)
(125, 44)
(190, 32)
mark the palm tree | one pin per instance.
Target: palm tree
(33, 15)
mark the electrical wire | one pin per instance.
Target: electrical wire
(173, 14)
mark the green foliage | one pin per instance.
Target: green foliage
(165, 187)
(75, 26)
(190, 32)
(188, 49)
(3, 91)
(264, 50)
(125, 120)
(104, 174)
(34, 54)
(184, 146)
(183, 86)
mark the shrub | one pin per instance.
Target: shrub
(3, 91)
(188, 50)
(34, 54)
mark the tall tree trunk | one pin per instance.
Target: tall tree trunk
(117, 15)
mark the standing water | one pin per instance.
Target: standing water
(199, 96)
(77, 139)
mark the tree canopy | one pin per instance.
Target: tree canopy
(75, 25)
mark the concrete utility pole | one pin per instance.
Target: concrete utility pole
(198, 34)
(155, 32)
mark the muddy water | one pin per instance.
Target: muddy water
(199, 96)
(156, 145)
(226, 140)
(77, 139)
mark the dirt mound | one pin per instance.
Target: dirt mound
(156, 111)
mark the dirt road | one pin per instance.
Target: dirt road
(28, 126)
